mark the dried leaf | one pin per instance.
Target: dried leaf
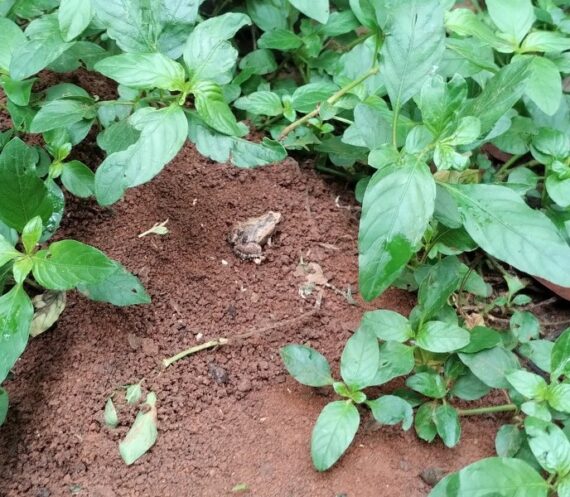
(48, 307)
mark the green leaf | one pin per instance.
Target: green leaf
(465, 23)
(509, 440)
(110, 417)
(18, 92)
(68, 263)
(263, 103)
(529, 385)
(121, 289)
(424, 423)
(558, 190)
(539, 352)
(396, 360)
(391, 410)
(16, 312)
(4, 401)
(512, 17)
(437, 336)
(546, 41)
(269, 14)
(561, 355)
(405, 194)
(162, 134)
(413, 46)
(214, 110)
(563, 487)
(11, 37)
(32, 233)
(306, 365)
(494, 476)
(307, 97)
(74, 16)
(482, 338)
(240, 152)
(549, 445)
(23, 195)
(501, 92)
(143, 71)
(45, 45)
(498, 219)
(280, 39)
(315, 9)
(78, 179)
(360, 359)
(207, 54)
(441, 281)
(142, 435)
(536, 409)
(60, 114)
(333, 433)
(544, 84)
(387, 325)
(559, 397)
(491, 366)
(447, 424)
(428, 384)
(469, 387)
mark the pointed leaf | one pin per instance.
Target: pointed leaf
(360, 359)
(142, 435)
(306, 365)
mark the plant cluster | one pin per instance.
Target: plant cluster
(405, 98)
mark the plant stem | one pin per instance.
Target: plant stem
(487, 410)
(192, 350)
(507, 165)
(331, 101)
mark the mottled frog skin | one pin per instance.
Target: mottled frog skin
(248, 237)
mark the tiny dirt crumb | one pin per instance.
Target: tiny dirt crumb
(432, 476)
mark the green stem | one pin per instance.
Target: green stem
(395, 126)
(487, 410)
(192, 350)
(507, 165)
(331, 101)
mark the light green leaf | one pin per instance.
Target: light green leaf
(207, 54)
(143, 71)
(544, 84)
(11, 37)
(360, 359)
(491, 366)
(7, 251)
(121, 289)
(546, 41)
(512, 17)
(333, 433)
(307, 97)
(214, 110)
(68, 263)
(440, 337)
(110, 417)
(396, 360)
(22, 194)
(45, 45)
(4, 402)
(306, 365)
(162, 134)
(559, 397)
(563, 488)
(528, 384)
(142, 435)
(74, 16)
(60, 114)
(269, 14)
(525, 326)
(391, 410)
(413, 46)
(424, 424)
(509, 440)
(387, 325)
(465, 23)
(501, 92)
(549, 445)
(558, 190)
(539, 352)
(447, 423)
(469, 387)
(263, 103)
(497, 218)
(315, 9)
(18, 92)
(16, 312)
(494, 476)
(397, 207)
(133, 393)
(32, 233)
(428, 384)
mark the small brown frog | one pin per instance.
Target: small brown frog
(248, 237)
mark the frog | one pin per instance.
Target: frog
(248, 237)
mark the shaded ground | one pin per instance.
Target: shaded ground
(226, 416)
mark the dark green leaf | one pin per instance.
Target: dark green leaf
(4, 401)
(561, 355)
(396, 360)
(469, 387)
(482, 338)
(360, 359)
(441, 281)
(391, 410)
(428, 384)
(447, 424)
(424, 423)
(78, 179)
(387, 325)
(59, 114)
(437, 336)
(491, 366)
(280, 39)
(509, 440)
